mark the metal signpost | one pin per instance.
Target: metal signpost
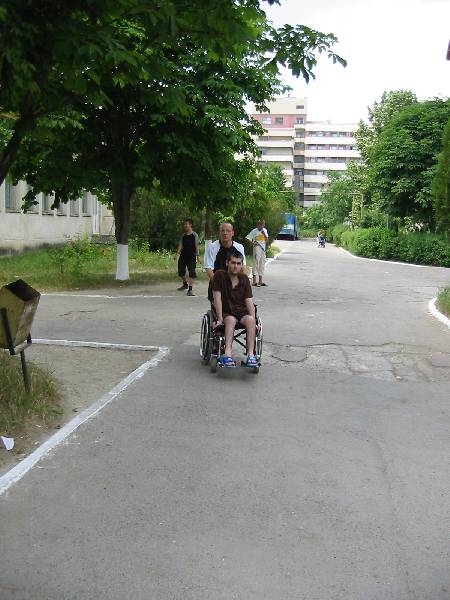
(18, 304)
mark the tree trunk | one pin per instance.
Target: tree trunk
(121, 195)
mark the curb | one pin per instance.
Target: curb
(269, 260)
(437, 314)
(390, 262)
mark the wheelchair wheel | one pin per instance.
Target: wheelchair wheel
(259, 340)
(213, 364)
(206, 338)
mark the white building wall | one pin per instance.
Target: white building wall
(38, 227)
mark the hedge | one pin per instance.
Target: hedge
(382, 243)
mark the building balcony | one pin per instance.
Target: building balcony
(275, 143)
(278, 158)
(332, 153)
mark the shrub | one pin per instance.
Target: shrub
(335, 234)
(382, 243)
(443, 301)
(308, 232)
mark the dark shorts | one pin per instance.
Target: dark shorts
(189, 264)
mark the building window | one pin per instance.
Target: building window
(267, 120)
(10, 196)
(74, 208)
(300, 133)
(300, 106)
(299, 120)
(299, 146)
(263, 138)
(46, 204)
(279, 120)
(85, 204)
(61, 210)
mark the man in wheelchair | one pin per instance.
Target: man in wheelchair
(233, 307)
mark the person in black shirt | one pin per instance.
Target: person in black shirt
(188, 254)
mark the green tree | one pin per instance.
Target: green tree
(53, 52)
(262, 195)
(190, 74)
(343, 190)
(380, 114)
(441, 185)
(403, 159)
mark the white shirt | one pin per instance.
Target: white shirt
(214, 249)
(258, 236)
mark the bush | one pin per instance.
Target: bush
(335, 234)
(382, 243)
(443, 301)
(308, 232)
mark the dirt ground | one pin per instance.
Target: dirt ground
(84, 375)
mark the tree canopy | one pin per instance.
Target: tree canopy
(441, 185)
(170, 83)
(403, 159)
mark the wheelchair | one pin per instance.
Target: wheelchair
(212, 342)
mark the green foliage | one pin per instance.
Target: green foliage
(379, 242)
(309, 232)
(335, 234)
(158, 221)
(338, 199)
(380, 114)
(403, 159)
(443, 301)
(262, 194)
(171, 87)
(16, 405)
(68, 268)
(75, 256)
(441, 185)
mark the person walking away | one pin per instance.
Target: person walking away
(259, 239)
(188, 254)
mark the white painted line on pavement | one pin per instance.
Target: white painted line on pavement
(17, 472)
(57, 294)
(390, 262)
(269, 260)
(437, 314)
(78, 343)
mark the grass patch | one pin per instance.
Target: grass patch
(16, 406)
(81, 264)
(443, 301)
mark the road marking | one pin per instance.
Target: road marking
(17, 472)
(62, 294)
(390, 262)
(269, 260)
(437, 314)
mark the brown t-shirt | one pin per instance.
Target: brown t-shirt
(233, 298)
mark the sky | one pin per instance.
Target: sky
(388, 45)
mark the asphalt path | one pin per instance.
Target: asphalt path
(324, 477)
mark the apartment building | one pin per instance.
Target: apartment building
(41, 226)
(306, 150)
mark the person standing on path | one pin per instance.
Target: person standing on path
(259, 239)
(188, 253)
